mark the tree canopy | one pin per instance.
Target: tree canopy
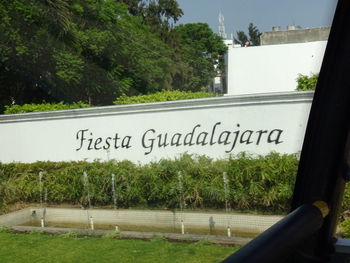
(201, 51)
(95, 51)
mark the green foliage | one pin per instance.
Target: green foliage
(91, 51)
(261, 183)
(162, 96)
(242, 38)
(345, 228)
(95, 51)
(201, 49)
(253, 36)
(159, 14)
(69, 68)
(346, 198)
(43, 107)
(307, 82)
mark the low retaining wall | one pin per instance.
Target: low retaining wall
(16, 218)
(247, 223)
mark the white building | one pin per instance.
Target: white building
(271, 68)
(274, 66)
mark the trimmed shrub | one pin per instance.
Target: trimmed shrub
(43, 107)
(162, 96)
(263, 183)
(259, 184)
(307, 82)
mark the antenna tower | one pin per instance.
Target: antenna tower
(222, 32)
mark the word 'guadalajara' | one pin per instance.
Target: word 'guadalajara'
(197, 136)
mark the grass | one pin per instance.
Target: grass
(36, 247)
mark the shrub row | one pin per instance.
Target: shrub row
(262, 183)
(155, 97)
(163, 96)
(43, 107)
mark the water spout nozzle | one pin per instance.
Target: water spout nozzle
(92, 223)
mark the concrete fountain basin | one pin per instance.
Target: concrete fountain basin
(143, 223)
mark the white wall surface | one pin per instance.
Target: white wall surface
(271, 68)
(215, 127)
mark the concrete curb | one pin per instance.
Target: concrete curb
(137, 235)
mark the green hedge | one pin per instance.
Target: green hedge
(162, 96)
(260, 184)
(155, 97)
(307, 82)
(43, 107)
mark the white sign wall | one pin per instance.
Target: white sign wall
(216, 127)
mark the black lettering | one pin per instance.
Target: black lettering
(160, 143)
(203, 140)
(190, 135)
(247, 141)
(276, 140)
(175, 140)
(126, 142)
(106, 147)
(82, 138)
(90, 143)
(260, 133)
(235, 140)
(97, 142)
(213, 132)
(223, 138)
(116, 138)
(150, 142)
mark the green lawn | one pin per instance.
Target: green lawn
(50, 249)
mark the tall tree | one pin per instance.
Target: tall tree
(254, 35)
(135, 7)
(201, 52)
(94, 51)
(242, 38)
(160, 15)
(97, 52)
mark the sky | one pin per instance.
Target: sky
(263, 13)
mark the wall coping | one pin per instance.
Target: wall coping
(225, 101)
